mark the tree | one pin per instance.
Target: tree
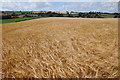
(50, 15)
(69, 15)
(96, 15)
(79, 15)
(60, 15)
(13, 14)
(115, 16)
(6, 16)
(67, 12)
(26, 15)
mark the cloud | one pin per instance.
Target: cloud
(14, 1)
(113, 0)
(11, 6)
(40, 6)
(59, 0)
(25, 6)
(37, 1)
(76, 6)
(110, 6)
(90, 6)
(63, 6)
(7, 0)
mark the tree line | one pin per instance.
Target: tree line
(10, 15)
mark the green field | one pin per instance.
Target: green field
(107, 15)
(17, 19)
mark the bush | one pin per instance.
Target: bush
(27, 15)
(6, 17)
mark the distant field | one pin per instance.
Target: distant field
(61, 48)
(17, 19)
(107, 16)
(17, 16)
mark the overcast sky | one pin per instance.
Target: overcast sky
(60, 5)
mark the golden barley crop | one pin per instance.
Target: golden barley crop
(60, 48)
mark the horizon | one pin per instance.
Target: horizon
(60, 11)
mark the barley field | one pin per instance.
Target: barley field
(59, 47)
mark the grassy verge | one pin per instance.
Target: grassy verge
(17, 19)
